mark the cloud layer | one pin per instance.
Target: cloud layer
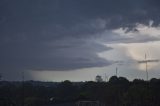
(68, 35)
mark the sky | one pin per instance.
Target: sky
(57, 40)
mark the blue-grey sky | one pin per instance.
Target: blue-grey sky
(55, 40)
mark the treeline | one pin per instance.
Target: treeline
(118, 91)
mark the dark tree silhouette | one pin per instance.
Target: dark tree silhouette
(117, 92)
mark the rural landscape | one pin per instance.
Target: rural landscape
(118, 91)
(79, 52)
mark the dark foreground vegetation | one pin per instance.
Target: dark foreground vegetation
(118, 91)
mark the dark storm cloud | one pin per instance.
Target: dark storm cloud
(60, 34)
(57, 55)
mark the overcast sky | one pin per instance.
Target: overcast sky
(55, 40)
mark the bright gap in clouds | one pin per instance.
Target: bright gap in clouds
(132, 53)
(86, 74)
(143, 40)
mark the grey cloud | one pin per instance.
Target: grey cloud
(67, 13)
(59, 55)
(62, 34)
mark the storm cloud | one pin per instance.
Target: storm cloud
(68, 34)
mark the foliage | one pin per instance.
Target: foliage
(117, 92)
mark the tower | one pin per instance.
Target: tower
(146, 61)
(116, 72)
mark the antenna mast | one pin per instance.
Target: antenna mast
(116, 72)
(22, 88)
(106, 77)
(146, 67)
(0, 77)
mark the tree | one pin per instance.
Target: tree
(113, 79)
(123, 80)
(99, 78)
(66, 90)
